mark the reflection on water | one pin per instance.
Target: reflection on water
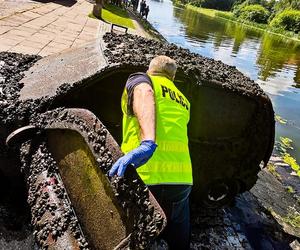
(272, 61)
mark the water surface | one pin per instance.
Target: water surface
(272, 61)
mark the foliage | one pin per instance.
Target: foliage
(274, 7)
(287, 20)
(254, 13)
(287, 158)
(226, 15)
(243, 3)
(211, 12)
(281, 5)
(212, 4)
(279, 119)
(116, 15)
(240, 4)
(293, 218)
(290, 189)
(286, 142)
(272, 169)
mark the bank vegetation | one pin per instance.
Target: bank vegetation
(281, 16)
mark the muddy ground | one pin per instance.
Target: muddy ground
(245, 225)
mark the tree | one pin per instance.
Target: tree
(288, 19)
(254, 13)
(97, 8)
(286, 4)
(214, 4)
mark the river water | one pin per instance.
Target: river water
(272, 61)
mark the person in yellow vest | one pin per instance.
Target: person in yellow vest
(155, 141)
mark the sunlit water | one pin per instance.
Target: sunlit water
(272, 61)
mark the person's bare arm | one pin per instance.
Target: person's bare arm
(144, 110)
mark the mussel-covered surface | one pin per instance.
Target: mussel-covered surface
(231, 130)
(54, 222)
(93, 77)
(15, 227)
(232, 122)
(83, 147)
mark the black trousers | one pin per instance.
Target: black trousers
(174, 200)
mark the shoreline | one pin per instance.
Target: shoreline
(144, 23)
(275, 160)
(228, 16)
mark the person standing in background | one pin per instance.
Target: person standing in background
(146, 11)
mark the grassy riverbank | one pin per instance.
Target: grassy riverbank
(230, 17)
(145, 25)
(211, 12)
(116, 15)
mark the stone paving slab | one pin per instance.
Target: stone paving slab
(9, 7)
(52, 27)
(4, 29)
(33, 44)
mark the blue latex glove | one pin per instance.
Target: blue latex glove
(136, 157)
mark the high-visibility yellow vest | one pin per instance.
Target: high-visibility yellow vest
(170, 163)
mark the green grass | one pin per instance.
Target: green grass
(211, 12)
(228, 16)
(178, 3)
(272, 169)
(259, 26)
(116, 15)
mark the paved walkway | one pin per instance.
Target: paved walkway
(48, 28)
(9, 7)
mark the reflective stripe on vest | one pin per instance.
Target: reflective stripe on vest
(170, 163)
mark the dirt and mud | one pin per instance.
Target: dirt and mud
(53, 80)
(129, 49)
(52, 216)
(15, 228)
(247, 225)
(202, 72)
